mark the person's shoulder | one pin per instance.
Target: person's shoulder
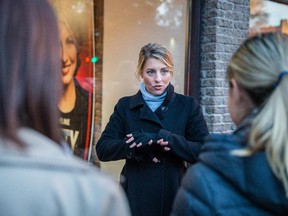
(125, 98)
(188, 101)
(128, 98)
(185, 97)
(223, 141)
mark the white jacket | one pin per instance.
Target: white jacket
(44, 181)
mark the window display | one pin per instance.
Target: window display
(76, 105)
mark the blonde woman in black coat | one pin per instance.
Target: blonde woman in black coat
(156, 131)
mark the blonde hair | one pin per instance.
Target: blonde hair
(256, 66)
(74, 21)
(157, 51)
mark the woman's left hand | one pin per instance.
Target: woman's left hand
(164, 144)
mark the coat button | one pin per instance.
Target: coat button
(164, 108)
(129, 155)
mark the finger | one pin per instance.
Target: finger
(129, 135)
(150, 142)
(139, 144)
(155, 160)
(130, 140)
(133, 145)
(160, 141)
(164, 143)
(166, 149)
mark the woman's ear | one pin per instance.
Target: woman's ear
(235, 103)
(239, 92)
(239, 102)
(234, 90)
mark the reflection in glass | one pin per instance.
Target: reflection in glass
(169, 13)
(267, 16)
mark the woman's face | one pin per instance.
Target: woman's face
(156, 76)
(68, 55)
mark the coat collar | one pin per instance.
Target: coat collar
(136, 100)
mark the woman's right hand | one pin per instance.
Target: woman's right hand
(142, 140)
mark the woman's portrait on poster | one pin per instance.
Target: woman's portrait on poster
(76, 103)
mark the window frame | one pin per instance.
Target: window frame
(281, 1)
(193, 46)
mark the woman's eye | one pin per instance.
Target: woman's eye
(164, 71)
(70, 40)
(150, 72)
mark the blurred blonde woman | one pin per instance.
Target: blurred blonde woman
(246, 173)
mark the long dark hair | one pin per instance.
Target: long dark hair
(30, 83)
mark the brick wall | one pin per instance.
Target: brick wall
(225, 25)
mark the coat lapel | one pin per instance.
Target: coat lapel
(147, 114)
(137, 102)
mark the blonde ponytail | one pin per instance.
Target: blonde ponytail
(269, 130)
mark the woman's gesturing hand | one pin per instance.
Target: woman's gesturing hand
(164, 144)
(140, 139)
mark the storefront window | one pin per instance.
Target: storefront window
(268, 16)
(129, 25)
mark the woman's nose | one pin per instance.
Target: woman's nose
(158, 77)
(63, 54)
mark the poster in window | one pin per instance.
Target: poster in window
(75, 18)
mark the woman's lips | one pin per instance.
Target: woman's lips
(65, 69)
(158, 87)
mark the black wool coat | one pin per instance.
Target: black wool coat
(151, 187)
